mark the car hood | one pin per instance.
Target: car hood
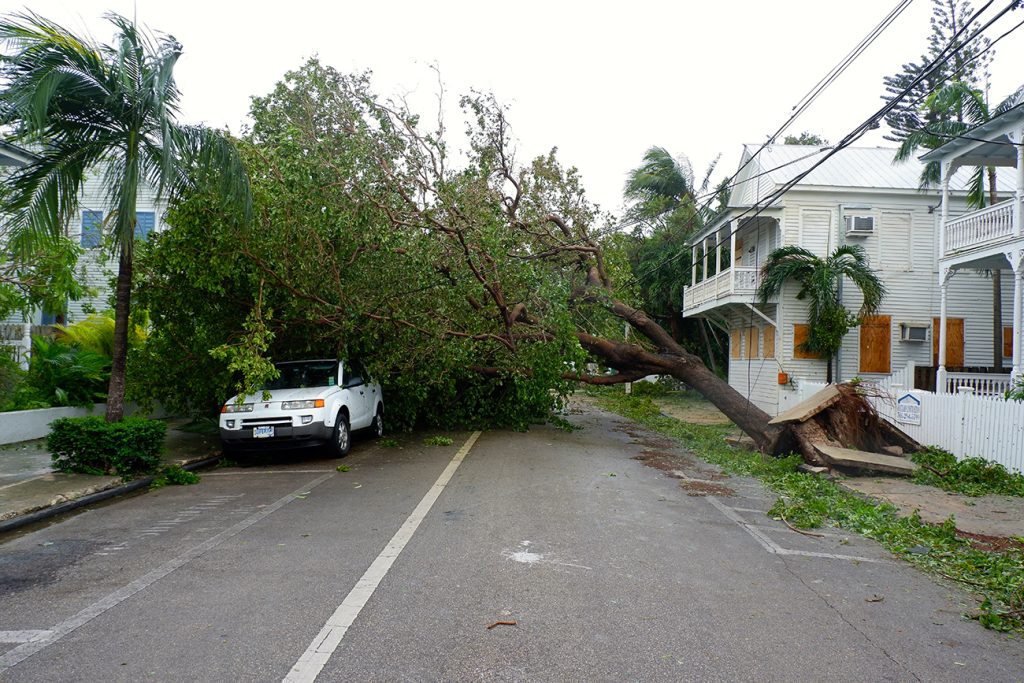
(279, 395)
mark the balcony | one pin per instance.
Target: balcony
(734, 285)
(981, 228)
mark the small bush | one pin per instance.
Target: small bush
(91, 445)
(174, 475)
(66, 375)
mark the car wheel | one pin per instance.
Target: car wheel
(378, 423)
(341, 441)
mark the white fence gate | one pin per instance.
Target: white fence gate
(966, 425)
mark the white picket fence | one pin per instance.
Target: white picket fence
(966, 425)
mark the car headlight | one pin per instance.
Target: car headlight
(300, 405)
(236, 408)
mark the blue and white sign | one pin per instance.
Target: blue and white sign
(908, 409)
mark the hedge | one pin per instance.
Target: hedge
(91, 445)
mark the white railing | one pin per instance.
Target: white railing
(964, 424)
(739, 280)
(980, 384)
(980, 227)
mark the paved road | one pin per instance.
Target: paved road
(611, 570)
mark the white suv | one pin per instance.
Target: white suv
(311, 403)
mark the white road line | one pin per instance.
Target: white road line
(312, 661)
(23, 652)
(22, 636)
(775, 549)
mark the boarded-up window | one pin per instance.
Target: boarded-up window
(734, 344)
(954, 341)
(895, 239)
(769, 341)
(876, 344)
(752, 343)
(737, 256)
(800, 333)
(1007, 342)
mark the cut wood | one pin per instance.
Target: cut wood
(809, 407)
(847, 457)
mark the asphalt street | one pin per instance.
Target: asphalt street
(610, 569)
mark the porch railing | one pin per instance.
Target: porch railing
(740, 280)
(981, 384)
(980, 227)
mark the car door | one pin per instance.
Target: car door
(355, 384)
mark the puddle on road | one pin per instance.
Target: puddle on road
(40, 565)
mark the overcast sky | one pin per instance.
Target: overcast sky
(601, 81)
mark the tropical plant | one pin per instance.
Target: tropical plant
(64, 375)
(96, 334)
(84, 106)
(828, 320)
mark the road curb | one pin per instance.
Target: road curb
(121, 490)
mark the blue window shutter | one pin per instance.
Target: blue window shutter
(92, 229)
(144, 222)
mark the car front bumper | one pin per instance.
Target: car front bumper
(285, 436)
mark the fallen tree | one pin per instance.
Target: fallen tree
(367, 237)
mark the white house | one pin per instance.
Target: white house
(858, 196)
(987, 239)
(89, 228)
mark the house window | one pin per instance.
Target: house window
(734, 344)
(144, 222)
(92, 229)
(769, 341)
(800, 334)
(876, 344)
(752, 343)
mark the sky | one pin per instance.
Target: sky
(601, 81)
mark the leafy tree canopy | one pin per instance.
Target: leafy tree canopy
(805, 138)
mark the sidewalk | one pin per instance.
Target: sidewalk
(28, 485)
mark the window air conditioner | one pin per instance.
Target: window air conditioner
(914, 332)
(859, 225)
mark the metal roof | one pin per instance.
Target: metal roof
(866, 168)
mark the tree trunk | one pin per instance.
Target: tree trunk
(122, 306)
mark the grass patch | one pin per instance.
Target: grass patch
(343, 468)
(438, 441)
(970, 476)
(809, 501)
(390, 443)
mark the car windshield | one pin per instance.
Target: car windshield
(315, 373)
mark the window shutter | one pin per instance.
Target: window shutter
(876, 344)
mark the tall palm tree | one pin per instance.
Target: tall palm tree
(86, 105)
(953, 110)
(663, 186)
(819, 278)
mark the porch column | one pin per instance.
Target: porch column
(718, 251)
(946, 172)
(693, 267)
(1017, 261)
(940, 375)
(733, 227)
(1017, 137)
(704, 244)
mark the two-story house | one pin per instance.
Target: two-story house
(858, 196)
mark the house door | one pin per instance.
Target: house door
(954, 342)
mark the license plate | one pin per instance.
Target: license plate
(262, 432)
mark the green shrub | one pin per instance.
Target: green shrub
(91, 445)
(970, 476)
(66, 375)
(174, 475)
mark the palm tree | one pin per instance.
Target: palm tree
(662, 189)
(85, 105)
(819, 278)
(954, 109)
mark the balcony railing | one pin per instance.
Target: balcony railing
(977, 383)
(980, 227)
(740, 280)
